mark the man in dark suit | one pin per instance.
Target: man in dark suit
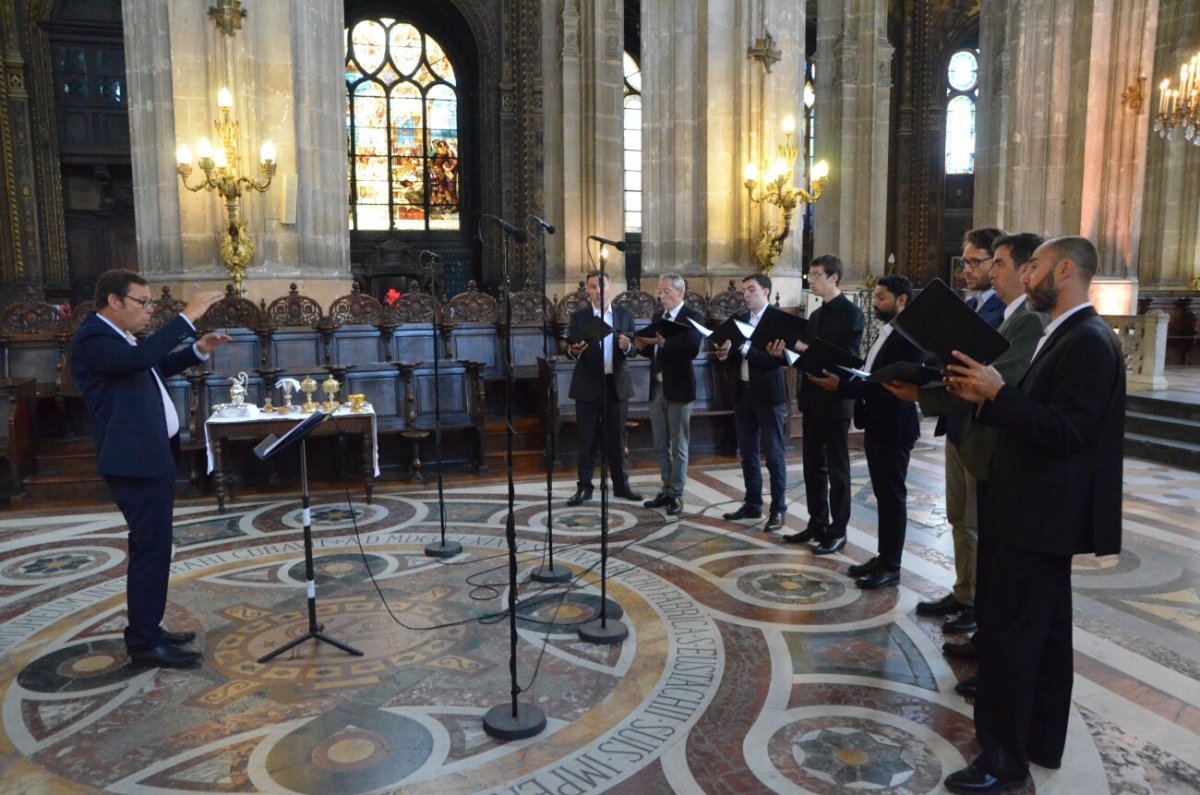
(601, 376)
(890, 427)
(979, 247)
(760, 401)
(672, 391)
(136, 431)
(1054, 491)
(1022, 328)
(826, 416)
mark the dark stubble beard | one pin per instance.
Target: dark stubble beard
(885, 316)
(1043, 296)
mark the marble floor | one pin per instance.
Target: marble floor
(750, 666)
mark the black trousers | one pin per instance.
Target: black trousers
(826, 474)
(147, 505)
(1026, 668)
(587, 414)
(984, 548)
(887, 462)
(759, 425)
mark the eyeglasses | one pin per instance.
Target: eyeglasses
(144, 303)
(975, 263)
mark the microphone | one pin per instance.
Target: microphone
(519, 235)
(434, 257)
(549, 227)
(617, 244)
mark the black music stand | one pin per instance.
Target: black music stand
(264, 450)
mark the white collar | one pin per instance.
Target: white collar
(132, 340)
(1053, 325)
(1014, 306)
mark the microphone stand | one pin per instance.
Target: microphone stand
(603, 630)
(441, 548)
(512, 721)
(548, 573)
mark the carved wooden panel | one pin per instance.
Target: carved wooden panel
(642, 305)
(529, 306)
(294, 309)
(166, 309)
(31, 316)
(726, 303)
(473, 306)
(232, 311)
(415, 307)
(571, 303)
(697, 302)
(356, 309)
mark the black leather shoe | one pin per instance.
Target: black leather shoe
(974, 779)
(963, 651)
(961, 624)
(164, 656)
(967, 687)
(830, 545)
(809, 533)
(675, 507)
(940, 607)
(880, 578)
(745, 512)
(859, 569)
(627, 493)
(580, 496)
(177, 638)
(661, 501)
(774, 522)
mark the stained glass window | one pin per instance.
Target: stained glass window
(962, 78)
(401, 129)
(633, 145)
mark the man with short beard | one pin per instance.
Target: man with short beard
(1054, 491)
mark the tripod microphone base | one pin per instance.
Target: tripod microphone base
(442, 549)
(605, 633)
(312, 634)
(500, 723)
(550, 573)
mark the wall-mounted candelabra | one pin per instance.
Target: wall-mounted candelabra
(1179, 108)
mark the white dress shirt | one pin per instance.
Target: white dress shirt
(754, 318)
(1053, 325)
(1016, 303)
(607, 317)
(884, 333)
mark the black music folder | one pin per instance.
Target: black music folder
(793, 328)
(908, 372)
(272, 444)
(822, 356)
(592, 329)
(938, 321)
(666, 327)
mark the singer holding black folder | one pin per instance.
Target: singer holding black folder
(760, 401)
(891, 427)
(672, 388)
(600, 365)
(826, 415)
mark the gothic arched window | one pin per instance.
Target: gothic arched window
(401, 129)
(962, 79)
(632, 116)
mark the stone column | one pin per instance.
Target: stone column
(20, 250)
(1170, 253)
(587, 133)
(853, 110)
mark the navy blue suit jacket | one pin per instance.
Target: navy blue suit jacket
(128, 419)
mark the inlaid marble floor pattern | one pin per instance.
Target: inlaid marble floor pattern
(750, 666)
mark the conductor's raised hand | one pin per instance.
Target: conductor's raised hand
(973, 381)
(211, 341)
(199, 303)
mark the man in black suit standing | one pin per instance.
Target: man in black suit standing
(672, 391)
(826, 416)
(136, 430)
(891, 427)
(1054, 490)
(601, 375)
(760, 401)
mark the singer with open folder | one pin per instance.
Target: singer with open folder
(760, 398)
(600, 340)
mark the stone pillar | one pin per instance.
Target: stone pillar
(993, 114)
(587, 133)
(1170, 253)
(853, 116)
(282, 69)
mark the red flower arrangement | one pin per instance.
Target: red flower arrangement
(393, 295)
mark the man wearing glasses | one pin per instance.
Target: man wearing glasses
(136, 430)
(961, 502)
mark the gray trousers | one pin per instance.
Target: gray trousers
(963, 515)
(670, 422)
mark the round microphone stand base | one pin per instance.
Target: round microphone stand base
(442, 549)
(500, 723)
(551, 573)
(604, 632)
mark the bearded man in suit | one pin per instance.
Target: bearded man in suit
(1054, 491)
(136, 429)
